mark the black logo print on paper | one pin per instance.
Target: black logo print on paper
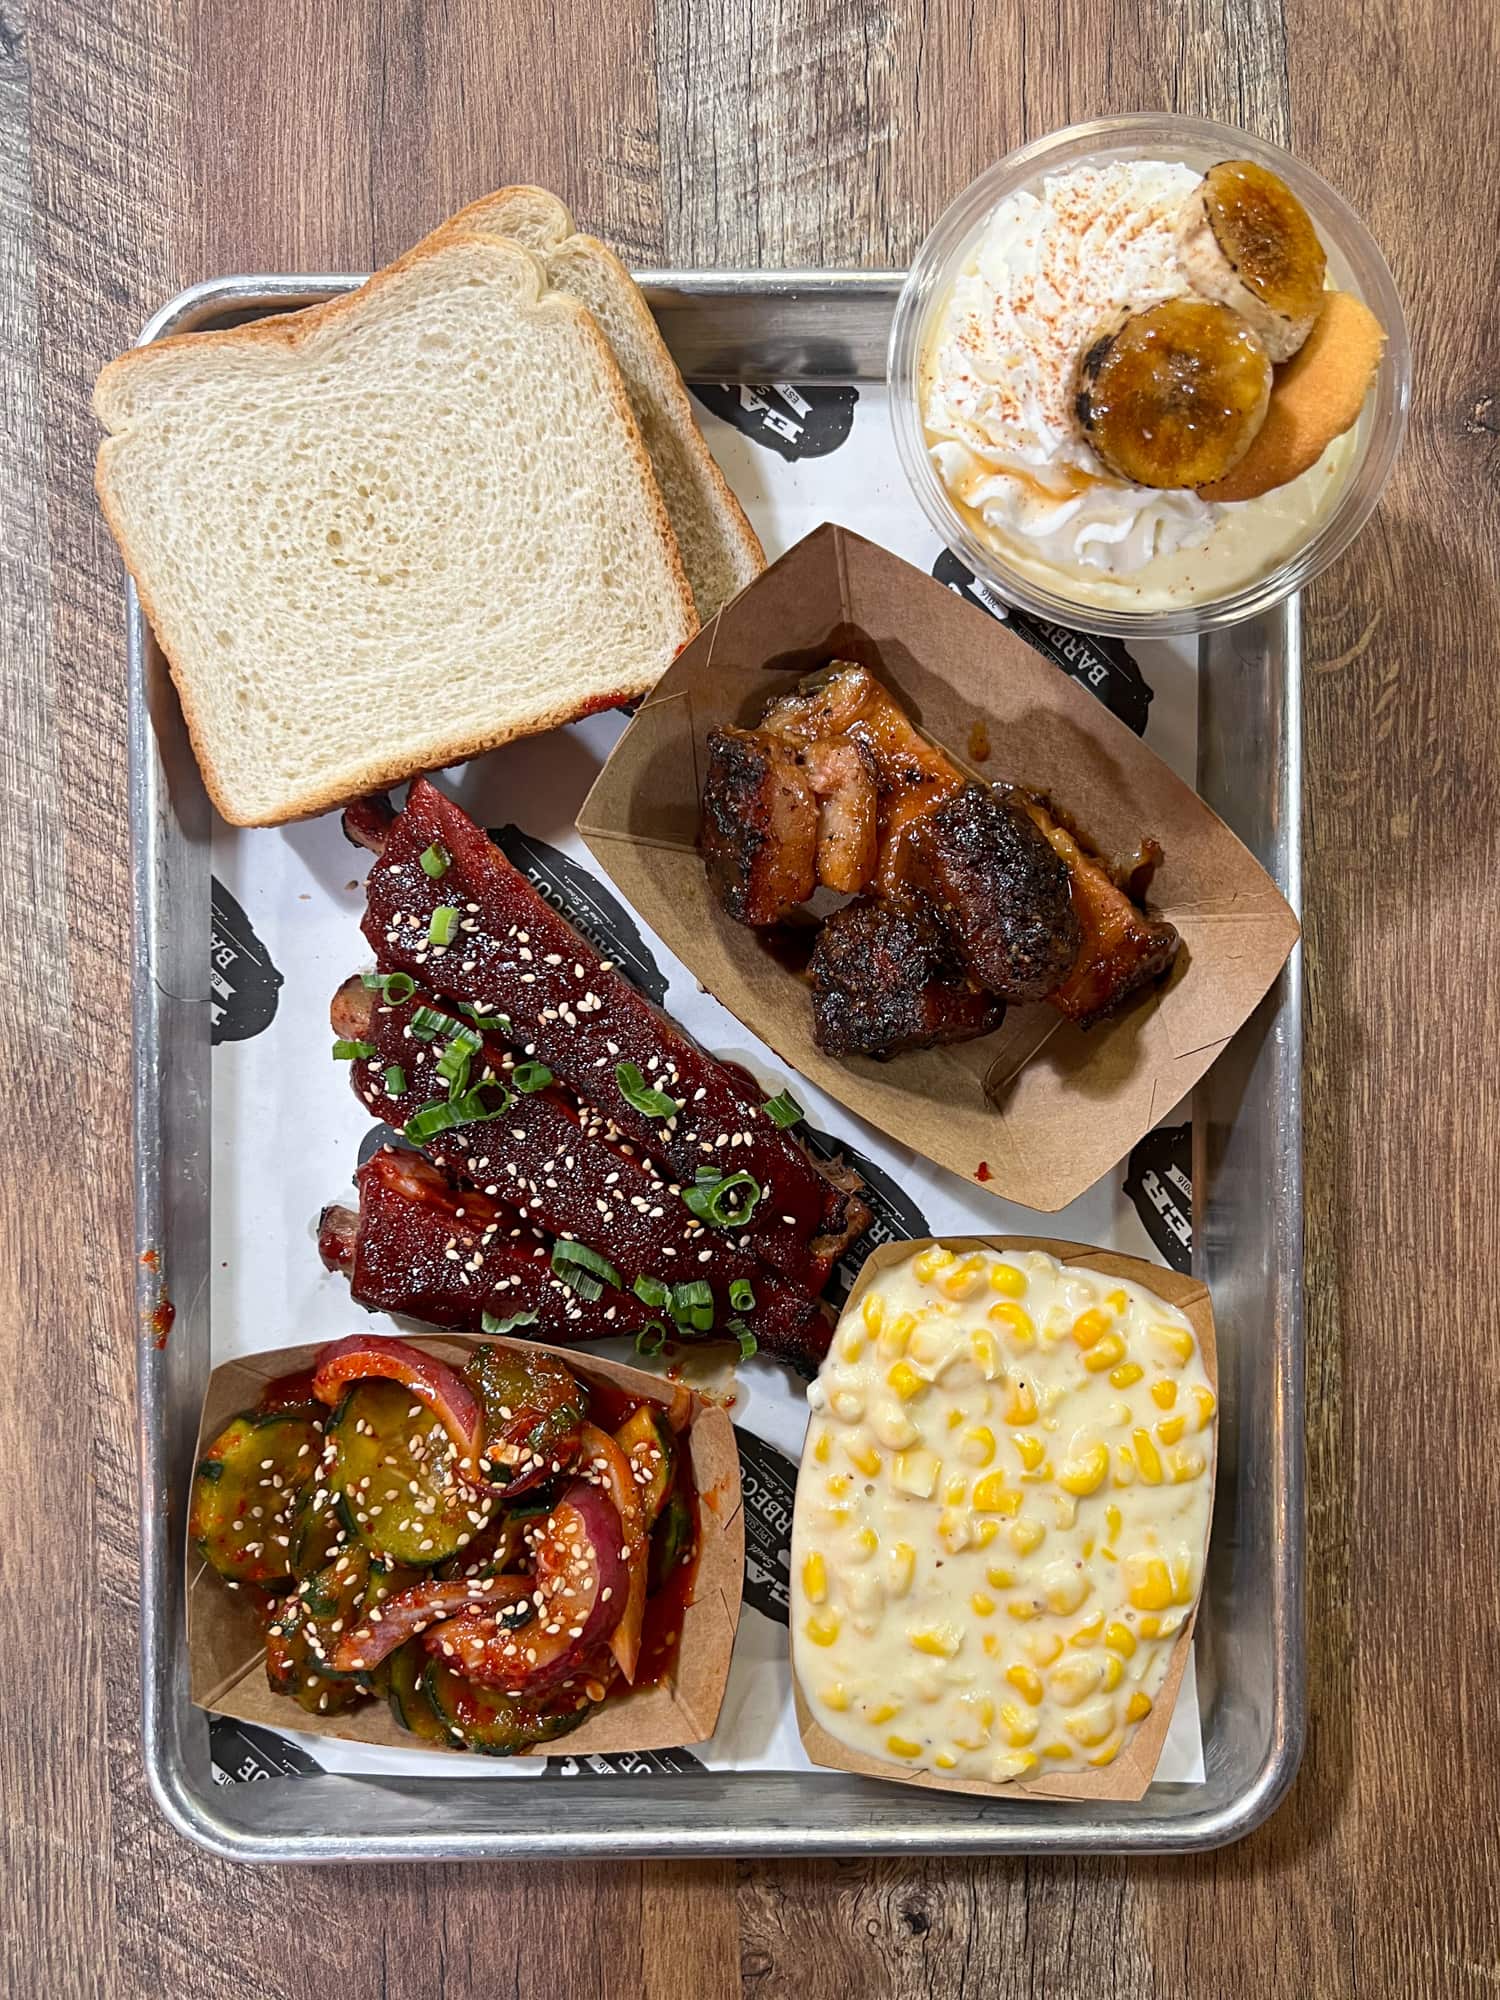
(243, 1754)
(588, 906)
(1159, 1180)
(894, 1216)
(627, 1764)
(768, 1485)
(795, 420)
(244, 985)
(1102, 665)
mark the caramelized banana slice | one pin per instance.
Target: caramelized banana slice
(1246, 240)
(1173, 396)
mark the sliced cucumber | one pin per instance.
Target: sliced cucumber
(534, 1408)
(671, 1541)
(473, 1717)
(409, 1703)
(301, 1639)
(649, 1445)
(395, 1471)
(322, 1526)
(245, 1493)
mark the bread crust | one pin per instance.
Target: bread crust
(292, 332)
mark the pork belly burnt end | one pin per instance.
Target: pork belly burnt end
(760, 827)
(885, 978)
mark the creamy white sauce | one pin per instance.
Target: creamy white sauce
(996, 388)
(1001, 1515)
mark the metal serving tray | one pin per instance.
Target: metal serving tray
(756, 327)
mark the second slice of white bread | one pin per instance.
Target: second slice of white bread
(720, 550)
(392, 532)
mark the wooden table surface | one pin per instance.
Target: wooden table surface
(149, 145)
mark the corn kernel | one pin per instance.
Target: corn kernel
(965, 1279)
(838, 1484)
(954, 1530)
(1119, 1638)
(820, 1448)
(1020, 1407)
(1027, 1683)
(1146, 1456)
(928, 1342)
(1124, 1472)
(1150, 1628)
(1064, 1587)
(977, 1718)
(848, 1405)
(1110, 1751)
(932, 1260)
(1086, 1633)
(866, 1542)
(1019, 1727)
(1085, 1474)
(1087, 1546)
(1007, 1279)
(1091, 1725)
(1021, 1609)
(1138, 1706)
(1114, 1672)
(883, 1712)
(1175, 1341)
(945, 1760)
(1164, 1393)
(863, 1456)
(900, 1747)
(986, 1531)
(1168, 1625)
(823, 1627)
(916, 1472)
(1148, 1583)
(1017, 1323)
(1117, 1300)
(978, 1445)
(1026, 1536)
(1058, 1750)
(835, 1697)
(1126, 1375)
(896, 1333)
(1090, 1326)
(993, 1496)
(1107, 1352)
(1041, 1648)
(893, 1427)
(982, 1604)
(906, 1382)
(901, 1567)
(986, 1354)
(955, 1418)
(1075, 1680)
(872, 1312)
(1005, 1770)
(1113, 1520)
(941, 1641)
(1040, 1478)
(851, 1343)
(956, 1489)
(1186, 1465)
(1030, 1449)
(991, 1644)
(1182, 1579)
(1170, 1429)
(815, 1579)
(1204, 1405)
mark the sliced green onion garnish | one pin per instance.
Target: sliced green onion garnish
(566, 1251)
(783, 1110)
(491, 1022)
(640, 1096)
(395, 1081)
(443, 927)
(489, 1324)
(741, 1295)
(583, 1283)
(453, 1066)
(427, 1023)
(692, 1305)
(435, 861)
(748, 1342)
(708, 1177)
(728, 1204)
(443, 1115)
(530, 1076)
(652, 1292)
(396, 987)
(348, 1051)
(652, 1338)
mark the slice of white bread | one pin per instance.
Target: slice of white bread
(720, 551)
(392, 532)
